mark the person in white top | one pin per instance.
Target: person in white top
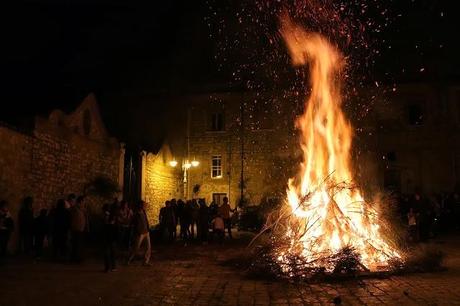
(218, 227)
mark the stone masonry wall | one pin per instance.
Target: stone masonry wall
(161, 182)
(50, 163)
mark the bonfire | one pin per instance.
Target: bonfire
(326, 223)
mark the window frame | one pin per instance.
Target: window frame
(217, 168)
(217, 121)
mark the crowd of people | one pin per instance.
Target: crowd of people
(196, 220)
(427, 216)
(64, 225)
(125, 228)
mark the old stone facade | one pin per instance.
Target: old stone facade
(61, 155)
(408, 141)
(417, 136)
(212, 131)
(160, 181)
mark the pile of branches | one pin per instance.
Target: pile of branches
(281, 256)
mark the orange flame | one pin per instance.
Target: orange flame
(334, 215)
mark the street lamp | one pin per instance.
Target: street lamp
(186, 165)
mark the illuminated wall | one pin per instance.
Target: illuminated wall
(160, 181)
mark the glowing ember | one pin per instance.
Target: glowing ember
(328, 214)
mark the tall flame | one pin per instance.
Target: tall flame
(333, 214)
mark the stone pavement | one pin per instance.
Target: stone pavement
(195, 275)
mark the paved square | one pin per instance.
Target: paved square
(196, 275)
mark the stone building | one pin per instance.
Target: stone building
(59, 155)
(246, 144)
(241, 141)
(418, 138)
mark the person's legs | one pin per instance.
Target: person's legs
(135, 248)
(109, 254)
(74, 246)
(192, 230)
(112, 256)
(148, 251)
(4, 235)
(39, 245)
(228, 226)
(29, 242)
(220, 235)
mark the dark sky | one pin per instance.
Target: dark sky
(134, 55)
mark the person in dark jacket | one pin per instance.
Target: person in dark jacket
(6, 228)
(60, 231)
(110, 237)
(26, 225)
(170, 221)
(41, 227)
(142, 233)
(78, 225)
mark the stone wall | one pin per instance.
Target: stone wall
(160, 181)
(52, 161)
(15, 165)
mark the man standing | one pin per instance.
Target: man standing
(26, 225)
(224, 212)
(141, 230)
(77, 227)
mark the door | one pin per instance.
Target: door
(218, 198)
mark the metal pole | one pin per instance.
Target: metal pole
(242, 153)
(185, 183)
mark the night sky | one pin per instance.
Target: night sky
(135, 56)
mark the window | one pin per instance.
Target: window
(415, 114)
(216, 166)
(217, 122)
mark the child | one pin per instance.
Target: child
(218, 227)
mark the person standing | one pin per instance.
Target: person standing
(60, 230)
(194, 212)
(141, 230)
(203, 221)
(412, 222)
(185, 220)
(224, 212)
(109, 235)
(124, 220)
(41, 227)
(218, 228)
(168, 219)
(26, 225)
(78, 223)
(6, 228)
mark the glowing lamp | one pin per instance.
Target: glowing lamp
(195, 163)
(173, 163)
(187, 164)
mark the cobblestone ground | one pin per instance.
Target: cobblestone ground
(195, 275)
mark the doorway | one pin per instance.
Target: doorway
(218, 198)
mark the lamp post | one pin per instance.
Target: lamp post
(186, 165)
